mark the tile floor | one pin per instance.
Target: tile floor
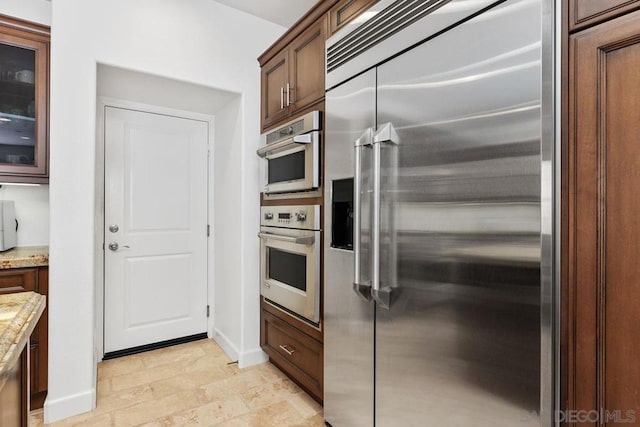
(193, 384)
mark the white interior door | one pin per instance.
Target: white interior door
(155, 228)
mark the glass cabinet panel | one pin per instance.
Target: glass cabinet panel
(24, 92)
(17, 105)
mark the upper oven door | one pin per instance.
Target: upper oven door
(292, 164)
(290, 270)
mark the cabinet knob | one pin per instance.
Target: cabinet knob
(282, 98)
(288, 94)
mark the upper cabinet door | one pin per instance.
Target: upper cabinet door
(583, 13)
(24, 76)
(346, 10)
(307, 67)
(275, 75)
(603, 225)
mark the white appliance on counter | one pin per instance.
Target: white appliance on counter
(8, 225)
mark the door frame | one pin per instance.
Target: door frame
(99, 207)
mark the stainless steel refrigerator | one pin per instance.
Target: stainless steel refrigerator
(438, 271)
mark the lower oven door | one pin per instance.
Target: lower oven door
(293, 165)
(290, 270)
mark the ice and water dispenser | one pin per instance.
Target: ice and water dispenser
(342, 214)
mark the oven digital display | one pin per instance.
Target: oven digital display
(284, 216)
(288, 268)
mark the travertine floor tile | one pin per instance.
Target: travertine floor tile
(315, 421)
(233, 385)
(193, 384)
(186, 381)
(157, 408)
(210, 414)
(305, 405)
(36, 418)
(104, 387)
(131, 396)
(277, 415)
(146, 376)
(174, 354)
(121, 366)
(268, 394)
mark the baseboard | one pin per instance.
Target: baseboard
(226, 345)
(65, 407)
(252, 357)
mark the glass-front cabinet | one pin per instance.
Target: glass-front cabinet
(24, 81)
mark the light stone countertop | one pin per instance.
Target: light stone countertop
(19, 314)
(24, 256)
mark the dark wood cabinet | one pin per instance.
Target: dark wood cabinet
(294, 346)
(293, 79)
(24, 109)
(293, 68)
(584, 13)
(602, 338)
(14, 395)
(274, 78)
(307, 67)
(33, 279)
(345, 11)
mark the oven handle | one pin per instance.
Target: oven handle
(307, 138)
(310, 240)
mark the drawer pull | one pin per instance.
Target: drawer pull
(288, 349)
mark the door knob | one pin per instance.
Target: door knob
(113, 246)
(114, 228)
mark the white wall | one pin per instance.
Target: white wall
(32, 203)
(38, 11)
(199, 41)
(32, 212)
(227, 180)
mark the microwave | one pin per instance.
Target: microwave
(292, 156)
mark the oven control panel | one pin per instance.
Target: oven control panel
(305, 217)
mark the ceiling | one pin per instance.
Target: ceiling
(281, 12)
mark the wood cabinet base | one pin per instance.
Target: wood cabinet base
(33, 279)
(14, 400)
(296, 352)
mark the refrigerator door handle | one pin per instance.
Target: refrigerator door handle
(385, 134)
(365, 141)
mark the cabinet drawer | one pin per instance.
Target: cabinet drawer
(583, 13)
(294, 352)
(18, 280)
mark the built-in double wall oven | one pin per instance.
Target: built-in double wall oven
(290, 259)
(292, 156)
(290, 236)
